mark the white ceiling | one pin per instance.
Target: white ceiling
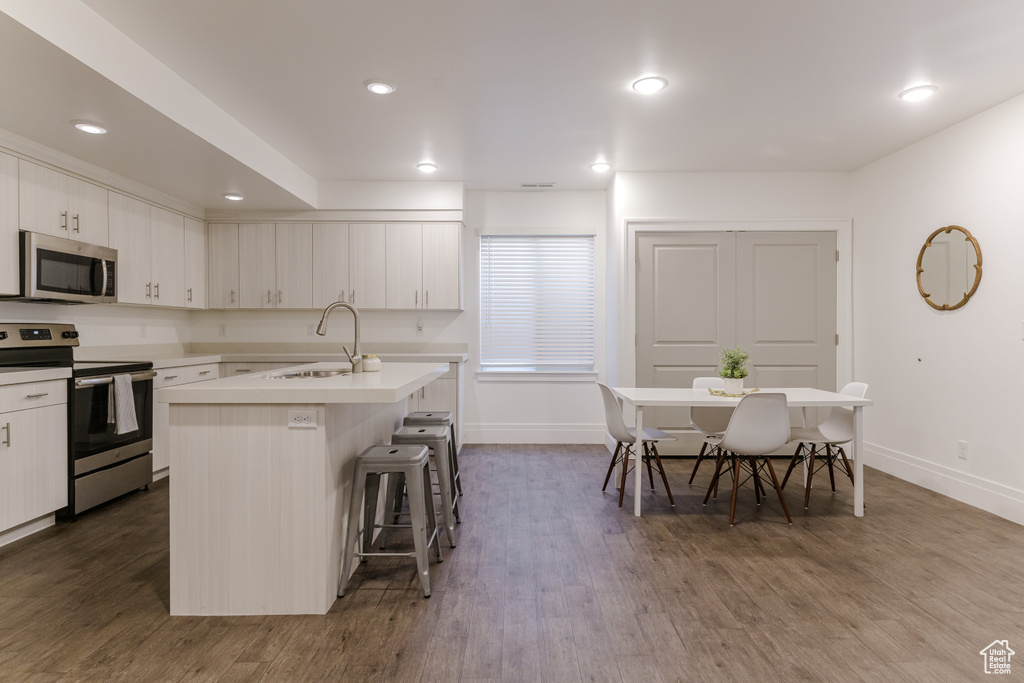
(505, 92)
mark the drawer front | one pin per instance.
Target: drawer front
(33, 395)
(171, 377)
(201, 373)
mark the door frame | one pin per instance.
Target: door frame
(844, 277)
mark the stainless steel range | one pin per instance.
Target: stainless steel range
(105, 458)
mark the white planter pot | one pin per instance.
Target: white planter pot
(733, 385)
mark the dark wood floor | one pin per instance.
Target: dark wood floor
(551, 581)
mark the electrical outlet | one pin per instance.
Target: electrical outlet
(222, 330)
(310, 329)
(302, 419)
(961, 450)
(419, 328)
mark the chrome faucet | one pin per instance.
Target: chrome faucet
(355, 357)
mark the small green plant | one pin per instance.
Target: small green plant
(733, 361)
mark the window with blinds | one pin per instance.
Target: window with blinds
(536, 302)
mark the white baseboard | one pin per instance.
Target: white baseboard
(26, 529)
(535, 433)
(1004, 501)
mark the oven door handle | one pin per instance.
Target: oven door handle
(96, 381)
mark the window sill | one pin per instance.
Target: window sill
(536, 376)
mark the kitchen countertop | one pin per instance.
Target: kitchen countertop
(394, 382)
(171, 358)
(19, 375)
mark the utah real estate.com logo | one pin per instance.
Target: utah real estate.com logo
(997, 657)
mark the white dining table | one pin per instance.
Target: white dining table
(796, 397)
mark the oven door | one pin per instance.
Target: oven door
(56, 269)
(91, 429)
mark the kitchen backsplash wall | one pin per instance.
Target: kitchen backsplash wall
(104, 324)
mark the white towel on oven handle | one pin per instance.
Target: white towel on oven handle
(121, 405)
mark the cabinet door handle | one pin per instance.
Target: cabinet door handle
(426, 298)
(232, 296)
(156, 291)
(75, 218)
(63, 220)
(352, 299)
(7, 428)
(239, 370)
(416, 299)
(341, 297)
(268, 296)
(190, 295)
(204, 372)
(170, 377)
(149, 290)
(45, 393)
(280, 299)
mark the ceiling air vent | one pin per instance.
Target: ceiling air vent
(537, 186)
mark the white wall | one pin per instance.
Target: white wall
(536, 411)
(941, 376)
(105, 324)
(710, 201)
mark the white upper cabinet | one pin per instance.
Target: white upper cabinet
(168, 262)
(222, 240)
(423, 266)
(130, 234)
(330, 263)
(257, 279)
(56, 204)
(195, 263)
(9, 268)
(150, 244)
(294, 265)
(367, 264)
(404, 265)
(442, 266)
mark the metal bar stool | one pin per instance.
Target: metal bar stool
(439, 417)
(436, 439)
(412, 463)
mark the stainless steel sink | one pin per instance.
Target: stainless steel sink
(306, 374)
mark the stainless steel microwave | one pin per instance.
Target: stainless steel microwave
(65, 271)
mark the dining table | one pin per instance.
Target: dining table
(796, 397)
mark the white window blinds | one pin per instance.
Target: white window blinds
(536, 302)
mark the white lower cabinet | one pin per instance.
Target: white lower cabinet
(172, 377)
(33, 451)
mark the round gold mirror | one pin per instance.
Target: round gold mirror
(949, 268)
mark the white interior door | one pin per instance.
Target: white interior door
(771, 293)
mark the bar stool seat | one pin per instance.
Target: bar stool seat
(434, 437)
(412, 463)
(439, 417)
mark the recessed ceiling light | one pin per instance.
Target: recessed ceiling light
(234, 196)
(918, 93)
(426, 166)
(601, 166)
(89, 127)
(380, 88)
(649, 85)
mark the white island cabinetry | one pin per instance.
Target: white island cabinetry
(258, 507)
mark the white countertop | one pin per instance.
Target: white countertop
(18, 375)
(163, 358)
(394, 382)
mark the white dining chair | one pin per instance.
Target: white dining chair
(625, 439)
(759, 426)
(708, 421)
(837, 429)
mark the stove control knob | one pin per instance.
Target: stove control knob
(70, 334)
(3, 335)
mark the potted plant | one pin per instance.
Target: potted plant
(733, 369)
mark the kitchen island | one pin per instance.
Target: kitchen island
(262, 467)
